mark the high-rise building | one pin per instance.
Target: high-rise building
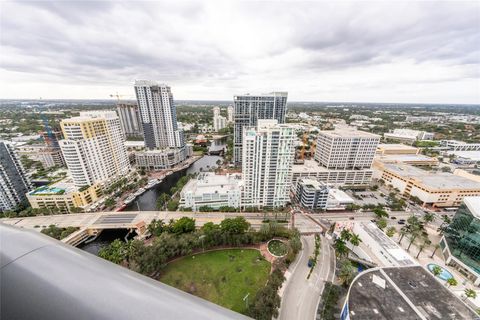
(130, 119)
(346, 149)
(248, 109)
(219, 122)
(158, 115)
(93, 147)
(267, 161)
(230, 113)
(14, 183)
(216, 111)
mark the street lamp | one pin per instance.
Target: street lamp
(201, 238)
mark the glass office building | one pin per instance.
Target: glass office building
(461, 241)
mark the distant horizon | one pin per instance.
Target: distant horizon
(228, 101)
(405, 52)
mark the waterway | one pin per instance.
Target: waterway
(148, 200)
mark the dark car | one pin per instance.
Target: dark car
(352, 218)
(393, 218)
(401, 222)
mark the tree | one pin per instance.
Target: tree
(183, 225)
(156, 227)
(382, 223)
(236, 225)
(452, 282)
(426, 242)
(110, 202)
(380, 213)
(345, 235)
(470, 293)
(428, 217)
(355, 239)
(347, 273)
(340, 248)
(172, 205)
(391, 231)
(436, 270)
(435, 250)
(115, 252)
(162, 200)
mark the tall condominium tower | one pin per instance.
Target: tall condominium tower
(130, 119)
(230, 113)
(267, 160)
(346, 148)
(250, 108)
(93, 147)
(14, 183)
(158, 115)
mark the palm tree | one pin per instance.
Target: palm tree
(470, 293)
(403, 233)
(347, 273)
(355, 239)
(435, 250)
(345, 235)
(428, 217)
(340, 248)
(426, 242)
(436, 270)
(452, 282)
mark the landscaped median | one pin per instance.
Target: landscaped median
(222, 263)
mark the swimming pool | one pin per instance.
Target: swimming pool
(444, 275)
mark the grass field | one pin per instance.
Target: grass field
(223, 277)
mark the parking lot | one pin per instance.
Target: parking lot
(367, 197)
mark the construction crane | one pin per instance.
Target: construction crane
(118, 96)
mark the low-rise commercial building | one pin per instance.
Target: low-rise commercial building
(212, 190)
(158, 159)
(64, 195)
(395, 148)
(456, 145)
(316, 195)
(48, 156)
(461, 240)
(408, 135)
(413, 159)
(437, 189)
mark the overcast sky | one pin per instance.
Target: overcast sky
(317, 51)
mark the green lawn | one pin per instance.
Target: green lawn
(277, 247)
(223, 277)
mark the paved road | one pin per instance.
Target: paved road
(300, 297)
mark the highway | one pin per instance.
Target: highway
(300, 297)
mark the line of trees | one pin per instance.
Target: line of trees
(180, 238)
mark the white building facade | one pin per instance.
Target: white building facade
(158, 115)
(316, 195)
(212, 190)
(93, 147)
(267, 160)
(159, 159)
(130, 119)
(346, 149)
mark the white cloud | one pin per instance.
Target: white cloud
(319, 51)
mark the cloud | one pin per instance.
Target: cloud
(360, 51)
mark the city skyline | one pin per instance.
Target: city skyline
(404, 53)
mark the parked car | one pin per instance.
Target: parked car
(393, 218)
(401, 222)
(352, 218)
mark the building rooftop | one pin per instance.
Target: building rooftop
(390, 247)
(403, 293)
(473, 204)
(406, 158)
(433, 180)
(472, 155)
(208, 182)
(269, 94)
(340, 196)
(61, 187)
(395, 146)
(348, 132)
